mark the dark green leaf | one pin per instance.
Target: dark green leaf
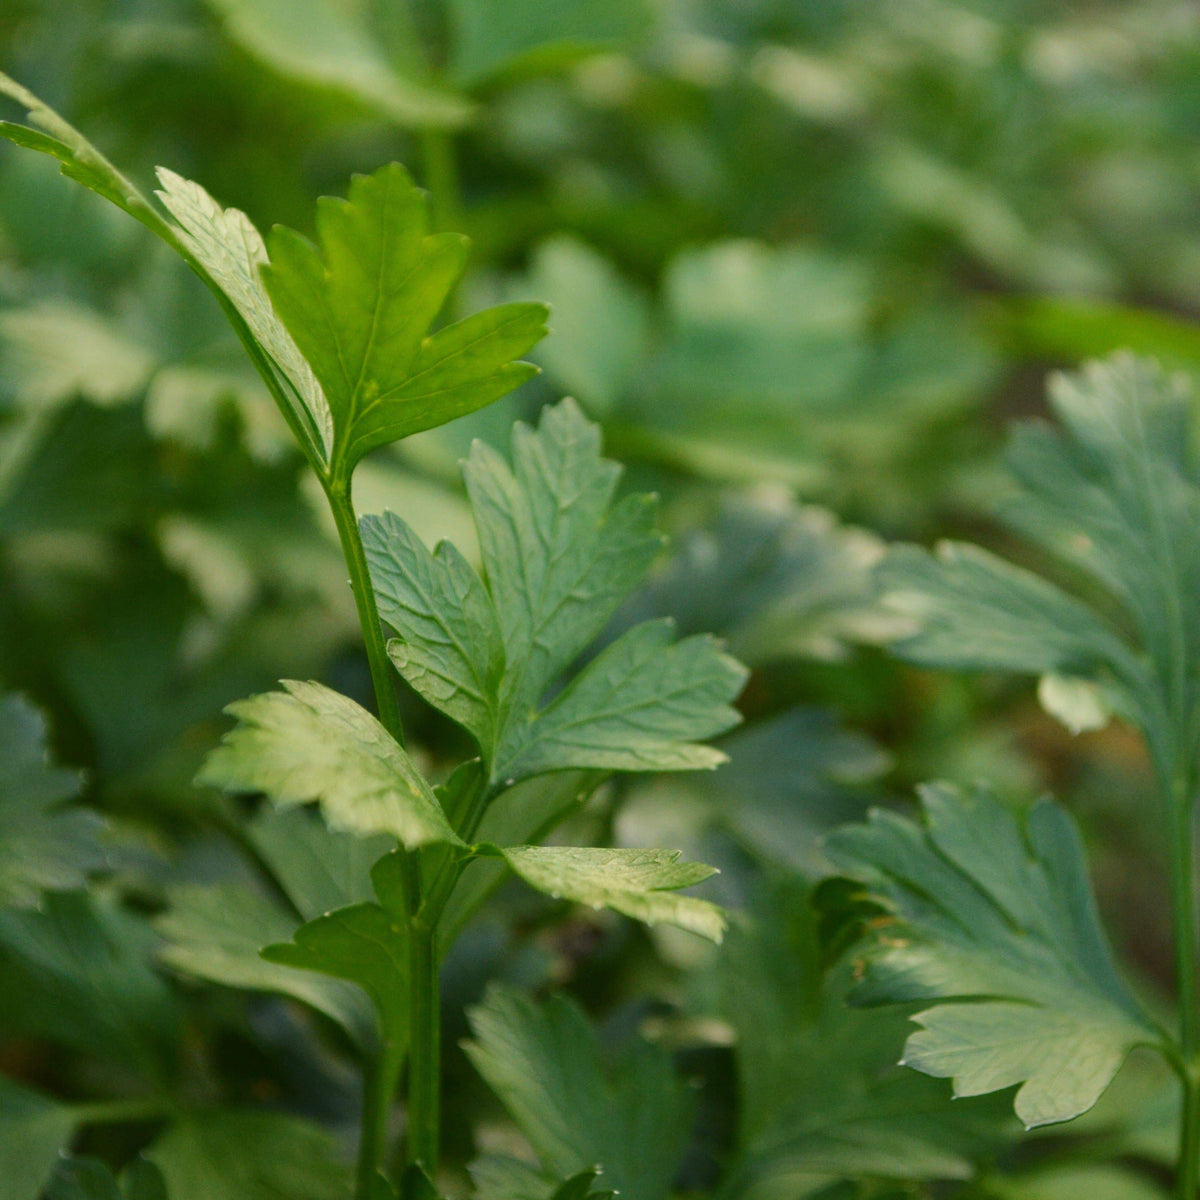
(360, 308)
(311, 743)
(42, 845)
(544, 1063)
(994, 923)
(79, 971)
(250, 1155)
(33, 1134)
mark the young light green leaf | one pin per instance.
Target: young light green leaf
(326, 45)
(42, 845)
(250, 1155)
(995, 923)
(230, 249)
(639, 706)
(33, 1133)
(360, 307)
(638, 883)
(79, 159)
(310, 743)
(544, 1063)
(558, 558)
(451, 651)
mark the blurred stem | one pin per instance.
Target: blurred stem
(1183, 906)
(425, 1048)
(441, 178)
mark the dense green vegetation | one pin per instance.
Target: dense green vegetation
(812, 272)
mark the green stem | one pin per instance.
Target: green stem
(380, 1078)
(441, 178)
(1184, 926)
(364, 599)
(425, 1042)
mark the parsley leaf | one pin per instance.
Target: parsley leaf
(360, 307)
(994, 922)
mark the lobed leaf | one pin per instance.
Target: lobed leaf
(360, 305)
(638, 883)
(1114, 494)
(994, 922)
(558, 559)
(544, 1063)
(228, 247)
(43, 845)
(312, 744)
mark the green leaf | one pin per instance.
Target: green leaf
(217, 932)
(558, 556)
(637, 707)
(250, 1155)
(365, 944)
(33, 1133)
(42, 845)
(310, 743)
(79, 159)
(360, 307)
(451, 651)
(326, 45)
(994, 922)
(1114, 494)
(90, 1179)
(79, 972)
(638, 883)
(558, 559)
(544, 1063)
(525, 36)
(228, 247)
(497, 1178)
(820, 1094)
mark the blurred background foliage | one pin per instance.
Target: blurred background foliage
(805, 258)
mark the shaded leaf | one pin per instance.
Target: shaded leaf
(33, 1134)
(497, 1178)
(821, 1096)
(250, 1155)
(325, 44)
(526, 36)
(310, 743)
(42, 844)
(994, 921)
(217, 932)
(360, 308)
(638, 883)
(544, 1063)
(79, 972)
(1114, 494)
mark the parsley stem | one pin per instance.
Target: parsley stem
(1184, 926)
(424, 1056)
